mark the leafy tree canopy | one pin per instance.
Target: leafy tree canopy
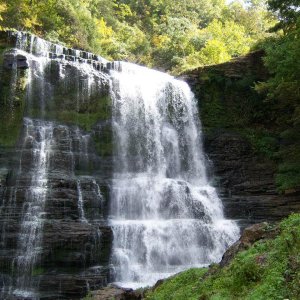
(167, 34)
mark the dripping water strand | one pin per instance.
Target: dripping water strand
(40, 135)
(82, 217)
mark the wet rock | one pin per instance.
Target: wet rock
(3, 176)
(84, 54)
(73, 286)
(75, 255)
(8, 38)
(245, 181)
(11, 61)
(70, 58)
(234, 69)
(250, 235)
(52, 55)
(112, 292)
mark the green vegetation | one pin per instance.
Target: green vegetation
(168, 34)
(282, 90)
(103, 142)
(12, 86)
(230, 102)
(270, 269)
(38, 271)
(185, 285)
(263, 108)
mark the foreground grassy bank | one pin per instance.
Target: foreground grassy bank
(268, 269)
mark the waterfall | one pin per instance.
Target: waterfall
(165, 215)
(55, 227)
(80, 203)
(54, 171)
(39, 136)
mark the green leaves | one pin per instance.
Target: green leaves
(3, 8)
(172, 34)
(288, 11)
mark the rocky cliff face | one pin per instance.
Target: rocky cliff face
(246, 181)
(55, 165)
(232, 115)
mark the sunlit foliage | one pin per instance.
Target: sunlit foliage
(171, 34)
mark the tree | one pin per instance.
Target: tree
(287, 10)
(173, 41)
(197, 12)
(166, 34)
(282, 90)
(3, 8)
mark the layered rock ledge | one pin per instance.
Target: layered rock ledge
(244, 177)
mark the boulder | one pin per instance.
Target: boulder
(250, 235)
(112, 292)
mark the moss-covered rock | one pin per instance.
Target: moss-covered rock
(72, 101)
(12, 103)
(228, 99)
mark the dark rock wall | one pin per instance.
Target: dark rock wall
(245, 181)
(75, 252)
(232, 114)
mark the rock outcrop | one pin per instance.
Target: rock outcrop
(112, 292)
(246, 181)
(59, 110)
(229, 105)
(250, 235)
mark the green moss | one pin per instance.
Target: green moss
(104, 149)
(12, 103)
(288, 175)
(69, 100)
(37, 271)
(226, 102)
(84, 118)
(103, 142)
(87, 114)
(288, 179)
(89, 296)
(268, 270)
(263, 142)
(234, 104)
(3, 48)
(212, 108)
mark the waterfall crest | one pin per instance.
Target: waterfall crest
(165, 215)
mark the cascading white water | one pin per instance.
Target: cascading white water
(98, 193)
(80, 203)
(165, 215)
(39, 137)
